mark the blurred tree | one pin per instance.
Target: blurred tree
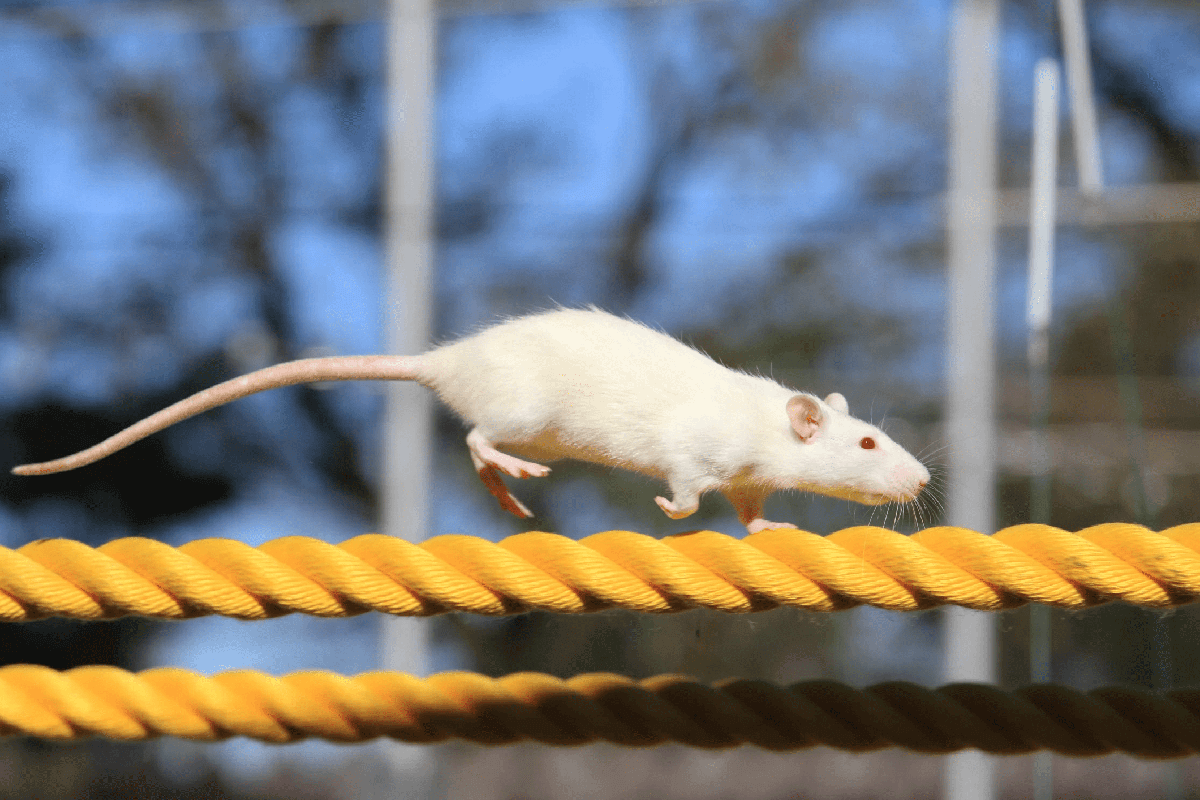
(231, 151)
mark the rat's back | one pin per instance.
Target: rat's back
(578, 383)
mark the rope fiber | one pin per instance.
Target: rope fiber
(598, 707)
(617, 569)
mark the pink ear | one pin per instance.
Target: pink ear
(805, 416)
(838, 403)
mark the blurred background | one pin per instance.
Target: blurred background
(192, 190)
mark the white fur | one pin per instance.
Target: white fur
(587, 385)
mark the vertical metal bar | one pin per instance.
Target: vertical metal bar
(1043, 188)
(970, 418)
(1083, 105)
(408, 428)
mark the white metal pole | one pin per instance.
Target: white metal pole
(1043, 186)
(1083, 104)
(970, 418)
(408, 428)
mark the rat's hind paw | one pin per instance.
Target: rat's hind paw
(490, 462)
(511, 465)
(485, 454)
(491, 479)
(757, 525)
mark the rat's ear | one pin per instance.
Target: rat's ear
(805, 415)
(837, 403)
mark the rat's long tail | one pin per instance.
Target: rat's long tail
(309, 370)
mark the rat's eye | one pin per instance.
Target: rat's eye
(867, 443)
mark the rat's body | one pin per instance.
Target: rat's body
(586, 385)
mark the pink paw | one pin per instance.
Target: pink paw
(491, 479)
(516, 468)
(766, 525)
(673, 511)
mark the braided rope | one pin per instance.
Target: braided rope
(617, 569)
(113, 703)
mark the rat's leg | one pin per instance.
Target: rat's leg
(748, 503)
(489, 462)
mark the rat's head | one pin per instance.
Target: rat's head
(845, 457)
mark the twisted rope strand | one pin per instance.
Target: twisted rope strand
(617, 569)
(109, 702)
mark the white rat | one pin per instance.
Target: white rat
(584, 384)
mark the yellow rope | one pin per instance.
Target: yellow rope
(600, 707)
(617, 569)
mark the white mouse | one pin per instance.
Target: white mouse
(587, 385)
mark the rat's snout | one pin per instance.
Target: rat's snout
(922, 476)
(911, 481)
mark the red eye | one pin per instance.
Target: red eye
(867, 443)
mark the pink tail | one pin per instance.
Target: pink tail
(309, 370)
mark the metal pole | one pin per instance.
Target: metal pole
(410, 771)
(1043, 187)
(970, 418)
(1083, 106)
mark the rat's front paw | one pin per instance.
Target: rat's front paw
(673, 511)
